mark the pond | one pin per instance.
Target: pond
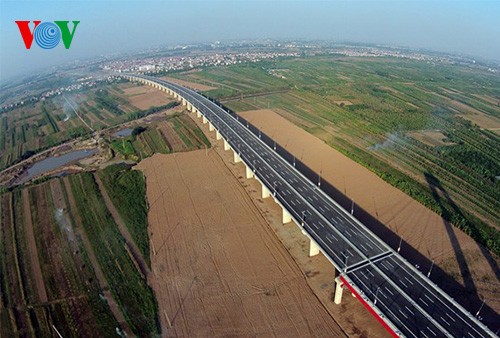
(54, 162)
(123, 132)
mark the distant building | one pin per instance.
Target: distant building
(146, 68)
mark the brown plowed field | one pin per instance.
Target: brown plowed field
(218, 268)
(174, 141)
(145, 97)
(426, 236)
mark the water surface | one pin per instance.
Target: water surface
(123, 132)
(54, 162)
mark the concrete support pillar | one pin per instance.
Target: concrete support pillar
(205, 120)
(189, 107)
(339, 287)
(184, 102)
(287, 218)
(236, 157)
(218, 136)
(248, 172)
(226, 145)
(211, 127)
(198, 114)
(265, 192)
(313, 248)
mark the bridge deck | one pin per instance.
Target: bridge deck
(401, 295)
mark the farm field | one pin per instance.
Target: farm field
(379, 112)
(453, 252)
(143, 97)
(219, 269)
(65, 267)
(31, 128)
(173, 133)
(48, 280)
(126, 282)
(85, 273)
(126, 189)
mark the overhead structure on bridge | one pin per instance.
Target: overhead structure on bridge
(401, 297)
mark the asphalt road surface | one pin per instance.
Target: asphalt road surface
(397, 292)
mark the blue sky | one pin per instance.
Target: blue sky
(469, 27)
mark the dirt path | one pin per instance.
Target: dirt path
(33, 252)
(467, 271)
(132, 247)
(115, 309)
(218, 268)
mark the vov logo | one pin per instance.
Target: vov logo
(47, 35)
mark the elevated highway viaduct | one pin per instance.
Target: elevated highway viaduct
(401, 297)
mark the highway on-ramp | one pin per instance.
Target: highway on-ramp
(398, 294)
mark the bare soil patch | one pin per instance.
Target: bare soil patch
(490, 99)
(452, 250)
(218, 268)
(174, 141)
(189, 84)
(144, 97)
(342, 103)
(351, 315)
(432, 138)
(483, 120)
